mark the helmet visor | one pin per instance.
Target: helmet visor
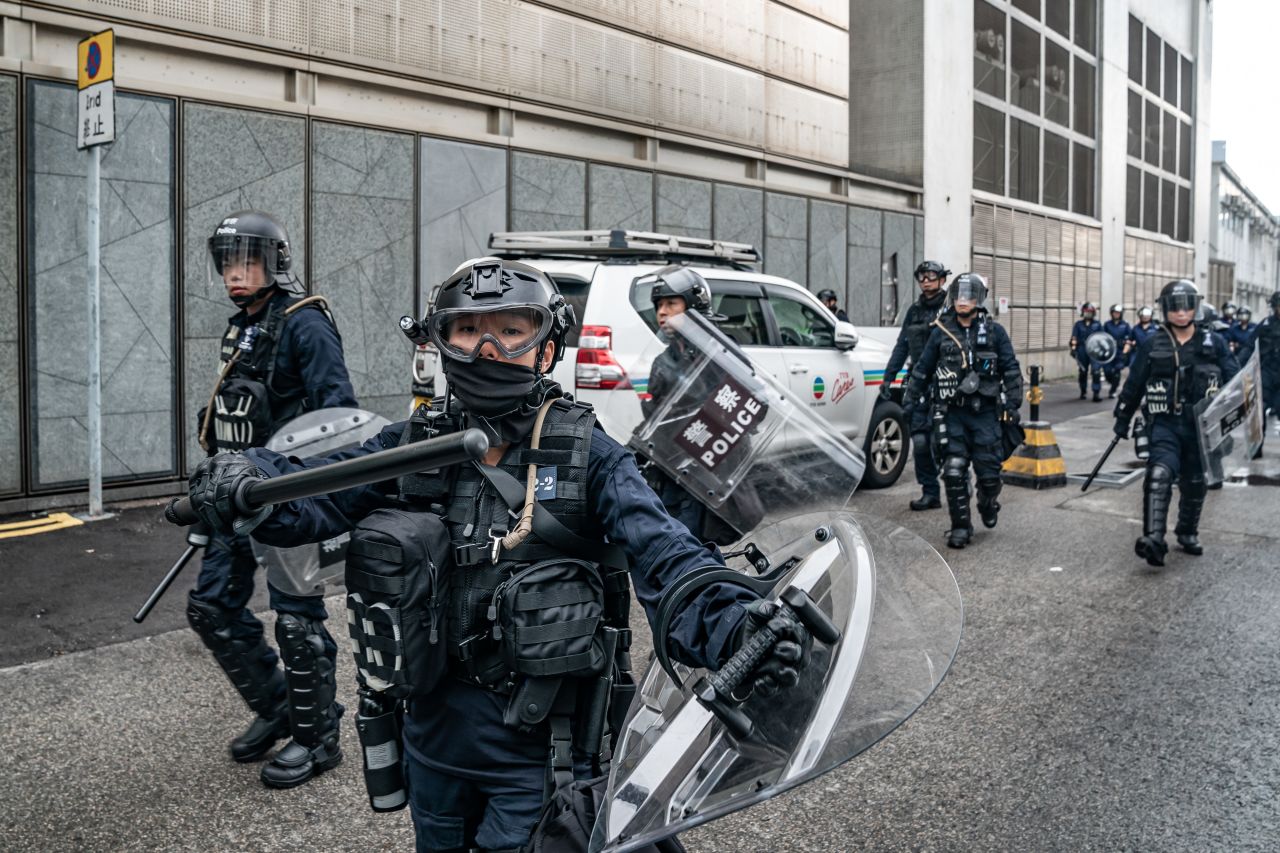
(512, 330)
(1179, 302)
(927, 275)
(967, 289)
(239, 263)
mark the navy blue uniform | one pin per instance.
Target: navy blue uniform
(916, 326)
(1239, 336)
(1085, 366)
(461, 758)
(1119, 332)
(1265, 338)
(1139, 333)
(308, 366)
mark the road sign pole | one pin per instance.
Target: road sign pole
(95, 350)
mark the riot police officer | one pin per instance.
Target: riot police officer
(477, 755)
(1227, 312)
(827, 297)
(916, 326)
(1174, 369)
(1119, 330)
(970, 372)
(281, 356)
(1085, 365)
(1266, 340)
(1239, 333)
(1141, 330)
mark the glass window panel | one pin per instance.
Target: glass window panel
(1084, 95)
(799, 323)
(1135, 50)
(1170, 74)
(1087, 25)
(988, 149)
(1150, 202)
(11, 462)
(1151, 127)
(1024, 160)
(1133, 197)
(989, 56)
(1184, 150)
(1188, 86)
(1169, 143)
(1057, 14)
(744, 319)
(1167, 199)
(1024, 82)
(1057, 79)
(1154, 51)
(1135, 124)
(1031, 7)
(1184, 214)
(1056, 153)
(1082, 182)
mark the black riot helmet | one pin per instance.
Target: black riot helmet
(673, 280)
(1244, 314)
(1180, 295)
(1228, 310)
(246, 241)
(969, 286)
(1117, 309)
(827, 295)
(925, 269)
(1088, 311)
(511, 305)
(1274, 301)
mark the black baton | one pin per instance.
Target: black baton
(1098, 467)
(197, 538)
(426, 455)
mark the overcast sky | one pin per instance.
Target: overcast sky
(1244, 110)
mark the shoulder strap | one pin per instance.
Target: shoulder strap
(547, 527)
(964, 356)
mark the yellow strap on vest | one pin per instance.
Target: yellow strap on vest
(525, 525)
(964, 357)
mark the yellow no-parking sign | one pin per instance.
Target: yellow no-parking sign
(95, 73)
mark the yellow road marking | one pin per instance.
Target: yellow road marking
(53, 521)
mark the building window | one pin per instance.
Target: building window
(988, 49)
(1024, 84)
(1135, 124)
(1087, 25)
(1056, 163)
(1151, 125)
(1083, 89)
(1171, 74)
(1188, 86)
(1057, 83)
(1024, 160)
(988, 149)
(1184, 150)
(1030, 7)
(1135, 50)
(1133, 197)
(1082, 180)
(1169, 144)
(1150, 202)
(1153, 63)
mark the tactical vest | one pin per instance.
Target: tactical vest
(968, 366)
(918, 324)
(246, 407)
(1180, 376)
(1268, 342)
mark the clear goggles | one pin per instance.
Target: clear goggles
(928, 275)
(460, 333)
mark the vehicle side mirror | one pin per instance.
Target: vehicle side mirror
(846, 335)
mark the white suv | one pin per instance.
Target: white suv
(781, 325)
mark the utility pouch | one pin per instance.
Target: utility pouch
(547, 619)
(1158, 400)
(397, 576)
(241, 414)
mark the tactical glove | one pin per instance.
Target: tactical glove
(781, 667)
(886, 390)
(213, 487)
(1121, 428)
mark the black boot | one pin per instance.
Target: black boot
(262, 687)
(313, 713)
(955, 474)
(926, 501)
(988, 506)
(1157, 489)
(1084, 384)
(1097, 395)
(1190, 503)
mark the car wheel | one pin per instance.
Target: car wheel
(886, 446)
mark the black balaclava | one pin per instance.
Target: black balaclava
(500, 397)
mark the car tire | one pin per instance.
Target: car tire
(886, 446)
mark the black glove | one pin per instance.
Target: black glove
(781, 667)
(1121, 428)
(886, 390)
(212, 487)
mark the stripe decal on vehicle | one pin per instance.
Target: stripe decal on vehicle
(872, 378)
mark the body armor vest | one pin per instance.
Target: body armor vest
(246, 406)
(967, 362)
(1268, 342)
(1183, 375)
(918, 324)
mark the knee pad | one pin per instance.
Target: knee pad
(920, 443)
(1193, 486)
(1159, 478)
(989, 487)
(246, 661)
(209, 621)
(956, 470)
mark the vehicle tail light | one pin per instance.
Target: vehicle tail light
(596, 367)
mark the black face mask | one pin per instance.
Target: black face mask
(503, 397)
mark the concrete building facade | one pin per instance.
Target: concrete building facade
(1244, 241)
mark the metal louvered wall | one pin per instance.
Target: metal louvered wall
(1045, 266)
(753, 72)
(1149, 265)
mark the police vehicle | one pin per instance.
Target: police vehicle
(781, 325)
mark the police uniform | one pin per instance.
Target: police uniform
(1119, 331)
(1167, 380)
(283, 360)
(972, 377)
(1139, 333)
(916, 327)
(1238, 336)
(1086, 367)
(1265, 338)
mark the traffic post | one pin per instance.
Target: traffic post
(95, 126)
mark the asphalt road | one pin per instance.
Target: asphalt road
(1093, 704)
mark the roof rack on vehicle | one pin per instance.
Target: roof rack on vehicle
(619, 243)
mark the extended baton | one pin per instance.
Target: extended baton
(197, 538)
(253, 494)
(1098, 467)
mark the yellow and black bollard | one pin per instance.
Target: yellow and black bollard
(1038, 463)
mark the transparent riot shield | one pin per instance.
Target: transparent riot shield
(1231, 425)
(306, 569)
(898, 611)
(1101, 347)
(732, 435)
